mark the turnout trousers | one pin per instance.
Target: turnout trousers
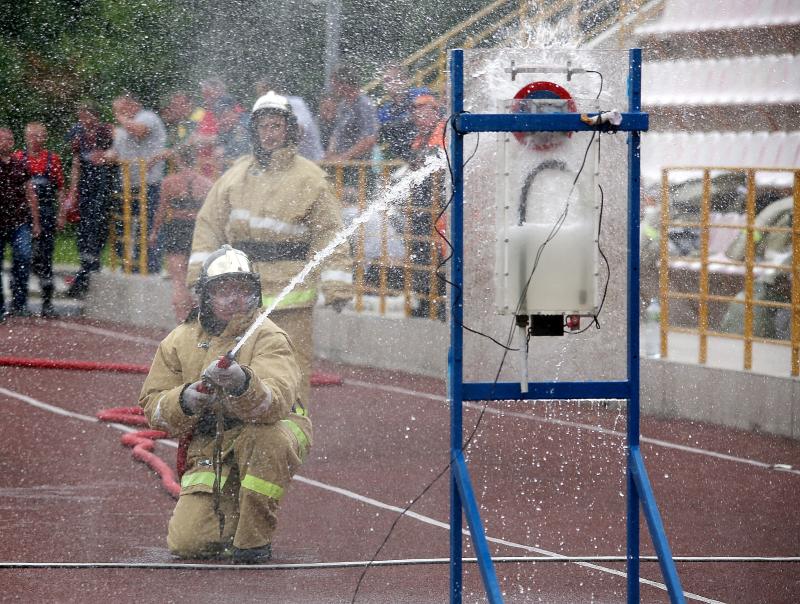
(259, 461)
(298, 323)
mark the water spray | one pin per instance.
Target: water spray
(391, 196)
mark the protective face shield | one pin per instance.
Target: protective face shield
(272, 104)
(228, 285)
(229, 296)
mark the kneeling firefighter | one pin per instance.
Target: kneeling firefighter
(277, 207)
(248, 435)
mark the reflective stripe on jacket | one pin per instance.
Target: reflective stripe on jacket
(286, 213)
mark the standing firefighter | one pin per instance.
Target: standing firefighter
(248, 435)
(277, 207)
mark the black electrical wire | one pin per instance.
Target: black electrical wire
(444, 208)
(599, 92)
(474, 431)
(468, 440)
(594, 320)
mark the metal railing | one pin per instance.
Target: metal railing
(130, 212)
(404, 284)
(708, 279)
(385, 281)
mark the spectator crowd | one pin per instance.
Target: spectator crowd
(169, 159)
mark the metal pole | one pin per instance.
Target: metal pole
(632, 511)
(455, 369)
(333, 34)
(462, 496)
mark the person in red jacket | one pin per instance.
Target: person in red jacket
(47, 178)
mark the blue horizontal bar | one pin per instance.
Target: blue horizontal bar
(542, 122)
(488, 391)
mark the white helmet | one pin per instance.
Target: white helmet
(272, 102)
(225, 263)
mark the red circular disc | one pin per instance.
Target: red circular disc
(541, 90)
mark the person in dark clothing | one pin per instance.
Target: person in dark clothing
(92, 184)
(397, 127)
(47, 176)
(19, 217)
(425, 249)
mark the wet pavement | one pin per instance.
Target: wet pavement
(549, 478)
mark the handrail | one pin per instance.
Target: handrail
(411, 278)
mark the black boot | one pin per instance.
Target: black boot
(48, 311)
(255, 555)
(80, 285)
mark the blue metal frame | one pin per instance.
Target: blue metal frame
(639, 492)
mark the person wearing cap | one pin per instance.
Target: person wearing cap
(264, 435)
(426, 114)
(277, 207)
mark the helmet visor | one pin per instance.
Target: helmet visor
(229, 296)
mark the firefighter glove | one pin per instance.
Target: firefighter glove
(232, 379)
(195, 398)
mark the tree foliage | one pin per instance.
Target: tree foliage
(55, 53)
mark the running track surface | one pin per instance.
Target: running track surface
(549, 479)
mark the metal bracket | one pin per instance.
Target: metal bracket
(569, 70)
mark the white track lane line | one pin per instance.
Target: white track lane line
(361, 498)
(99, 331)
(778, 467)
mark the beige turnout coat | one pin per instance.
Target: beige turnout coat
(280, 217)
(267, 356)
(264, 442)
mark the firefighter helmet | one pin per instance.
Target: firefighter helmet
(276, 104)
(223, 264)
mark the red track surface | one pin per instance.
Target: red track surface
(72, 493)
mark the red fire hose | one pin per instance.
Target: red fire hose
(317, 378)
(38, 363)
(141, 441)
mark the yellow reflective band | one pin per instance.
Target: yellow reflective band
(650, 231)
(195, 478)
(262, 486)
(298, 434)
(296, 298)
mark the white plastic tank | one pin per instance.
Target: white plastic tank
(547, 211)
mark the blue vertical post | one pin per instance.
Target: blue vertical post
(455, 377)
(638, 485)
(462, 496)
(634, 156)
